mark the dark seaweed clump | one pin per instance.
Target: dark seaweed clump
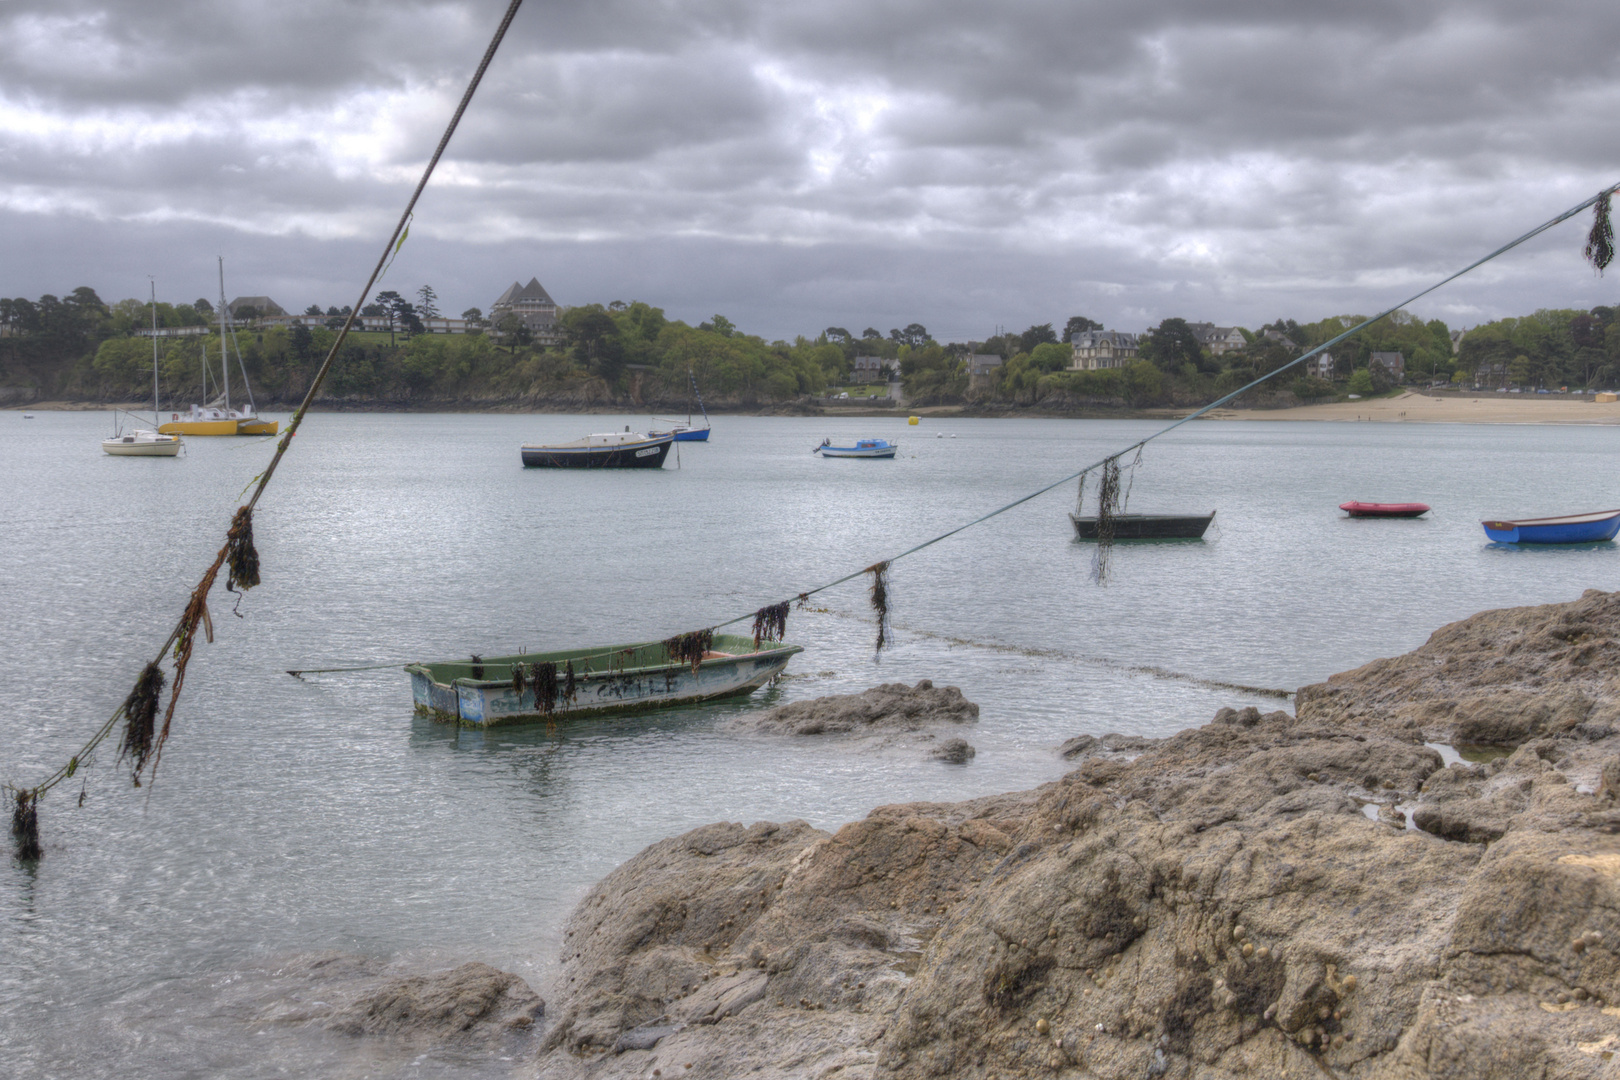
(1600, 241)
(880, 602)
(569, 688)
(518, 682)
(25, 826)
(140, 718)
(240, 554)
(544, 677)
(477, 666)
(1107, 511)
(689, 648)
(770, 623)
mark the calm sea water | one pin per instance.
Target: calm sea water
(294, 817)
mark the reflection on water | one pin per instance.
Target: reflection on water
(297, 817)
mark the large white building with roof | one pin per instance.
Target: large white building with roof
(533, 306)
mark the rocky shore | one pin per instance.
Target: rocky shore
(1335, 892)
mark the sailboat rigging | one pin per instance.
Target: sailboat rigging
(218, 417)
(144, 442)
(686, 432)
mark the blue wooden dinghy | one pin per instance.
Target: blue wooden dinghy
(1570, 529)
(482, 692)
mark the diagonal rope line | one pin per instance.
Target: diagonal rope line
(1476, 264)
(1509, 246)
(205, 585)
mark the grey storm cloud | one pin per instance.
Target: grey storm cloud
(794, 165)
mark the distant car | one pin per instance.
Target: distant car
(1543, 391)
(1501, 389)
(1515, 390)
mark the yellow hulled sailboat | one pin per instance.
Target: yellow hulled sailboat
(219, 417)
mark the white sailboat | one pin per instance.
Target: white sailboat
(145, 442)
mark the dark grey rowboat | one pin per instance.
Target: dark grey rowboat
(1147, 526)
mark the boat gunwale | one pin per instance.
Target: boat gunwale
(1567, 519)
(423, 668)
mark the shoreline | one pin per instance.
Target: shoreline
(1409, 407)
(1412, 407)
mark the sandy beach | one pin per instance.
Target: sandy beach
(1415, 408)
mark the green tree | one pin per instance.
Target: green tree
(1361, 382)
(1079, 324)
(1036, 335)
(1170, 345)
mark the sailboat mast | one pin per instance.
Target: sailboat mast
(224, 357)
(157, 421)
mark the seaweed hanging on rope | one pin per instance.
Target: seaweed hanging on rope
(140, 719)
(770, 623)
(1107, 511)
(477, 666)
(241, 556)
(517, 680)
(880, 602)
(1600, 241)
(25, 825)
(570, 689)
(195, 615)
(543, 675)
(689, 648)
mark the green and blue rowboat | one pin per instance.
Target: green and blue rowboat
(607, 679)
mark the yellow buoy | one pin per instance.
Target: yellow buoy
(913, 420)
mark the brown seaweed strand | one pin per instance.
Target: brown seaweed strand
(140, 719)
(770, 623)
(544, 676)
(570, 689)
(1600, 241)
(518, 682)
(1107, 511)
(196, 614)
(880, 603)
(477, 666)
(25, 825)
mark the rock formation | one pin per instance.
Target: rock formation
(1269, 895)
(472, 1005)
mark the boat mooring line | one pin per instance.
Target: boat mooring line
(1077, 658)
(1602, 196)
(238, 544)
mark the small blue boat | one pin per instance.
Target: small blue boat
(686, 432)
(863, 448)
(1570, 529)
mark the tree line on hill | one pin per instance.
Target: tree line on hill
(631, 354)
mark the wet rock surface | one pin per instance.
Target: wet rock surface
(1216, 904)
(885, 709)
(471, 1005)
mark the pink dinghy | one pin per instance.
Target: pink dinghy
(1384, 510)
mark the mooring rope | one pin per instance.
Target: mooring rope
(238, 547)
(1599, 200)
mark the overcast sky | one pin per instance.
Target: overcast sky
(795, 165)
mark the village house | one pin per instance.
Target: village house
(1217, 339)
(983, 370)
(871, 369)
(533, 307)
(1095, 350)
(1394, 364)
(1321, 366)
